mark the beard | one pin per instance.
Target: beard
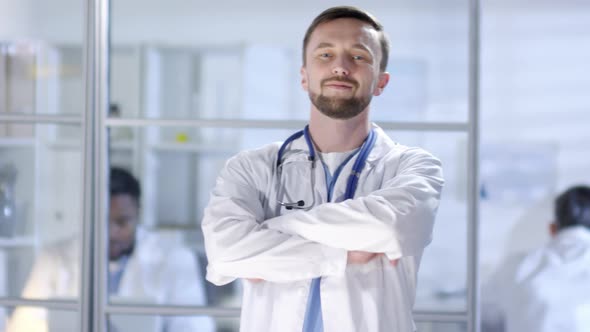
(338, 107)
(113, 256)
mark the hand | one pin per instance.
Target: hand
(360, 257)
(254, 280)
(393, 262)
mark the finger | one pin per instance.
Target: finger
(393, 262)
(254, 280)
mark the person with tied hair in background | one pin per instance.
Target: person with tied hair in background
(326, 229)
(548, 289)
(142, 267)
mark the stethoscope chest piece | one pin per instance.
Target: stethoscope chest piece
(299, 173)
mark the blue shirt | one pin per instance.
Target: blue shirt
(313, 321)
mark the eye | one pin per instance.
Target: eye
(325, 55)
(358, 57)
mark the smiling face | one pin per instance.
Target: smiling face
(341, 71)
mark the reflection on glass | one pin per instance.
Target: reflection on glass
(446, 254)
(38, 319)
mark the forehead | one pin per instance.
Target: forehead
(347, 31)
(123, 204)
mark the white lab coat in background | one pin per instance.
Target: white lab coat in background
(547, 290)
(157, 272)
(248, 235)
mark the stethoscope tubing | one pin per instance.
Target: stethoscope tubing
(357, 168)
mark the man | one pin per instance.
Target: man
(312, 224)
(547, 290)
(142, 267)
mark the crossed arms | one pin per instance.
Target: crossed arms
(395, 220)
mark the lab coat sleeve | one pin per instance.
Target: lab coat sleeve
(396, 219)
(186, 288)
(239, 246)
(38, 286)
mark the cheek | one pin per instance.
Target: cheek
(312, 82)
(129, 233)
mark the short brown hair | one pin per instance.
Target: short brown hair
(334, 13)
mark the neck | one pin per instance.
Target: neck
(335, 135)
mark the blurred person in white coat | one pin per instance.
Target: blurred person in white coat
(327, 229)
(143, 266)
(548, 289)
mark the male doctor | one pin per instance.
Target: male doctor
(327, 229)
(547, 289)
(142, 267)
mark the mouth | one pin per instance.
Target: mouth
(339, 85)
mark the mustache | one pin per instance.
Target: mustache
(340, 79)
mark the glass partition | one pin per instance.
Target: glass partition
(149, 323)
(40, 190)
(33, 319)
(440, 327)
(442, 278)
(253, 72)
(41, 57)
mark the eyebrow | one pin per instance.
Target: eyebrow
(362, 47)
(324, 45)
(356, 46)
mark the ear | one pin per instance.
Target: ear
(381, 83)
(304, 82)
(553, 229)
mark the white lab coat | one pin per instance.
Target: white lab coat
(157, 272)
(547, 290)
(248, 235)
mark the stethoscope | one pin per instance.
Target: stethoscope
(353, 178)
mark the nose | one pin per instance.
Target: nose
(114, 230)
(341, 68)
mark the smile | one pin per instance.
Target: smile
(339, 86)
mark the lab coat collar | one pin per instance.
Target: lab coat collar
(383, 145)
(576, 233)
